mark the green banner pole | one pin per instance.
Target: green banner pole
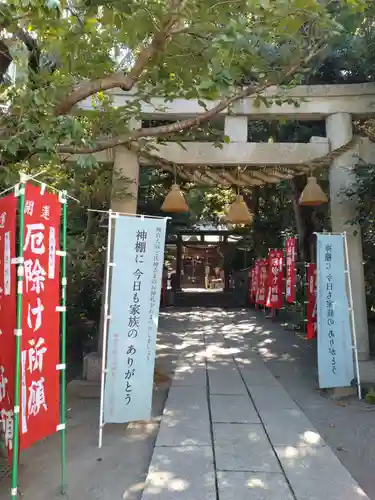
(20, 193)
(63, 200)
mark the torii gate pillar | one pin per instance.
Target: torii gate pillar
(124, 199)
(125, 181)
(344, 210)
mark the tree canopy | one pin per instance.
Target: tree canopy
(69, 51)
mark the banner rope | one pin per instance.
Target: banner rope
(30, 177)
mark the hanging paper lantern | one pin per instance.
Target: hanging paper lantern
(239, 212)
(175, 201)
(313, 195)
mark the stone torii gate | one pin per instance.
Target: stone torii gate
(205, 164)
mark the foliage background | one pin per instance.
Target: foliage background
(59, 44)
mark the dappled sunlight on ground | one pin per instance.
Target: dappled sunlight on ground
(181, 472)
(222, 389)
(228, 331)
(255, 446)
(159, 480)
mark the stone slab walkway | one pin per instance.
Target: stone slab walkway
(230, 430)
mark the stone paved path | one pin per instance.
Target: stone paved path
(231, 431)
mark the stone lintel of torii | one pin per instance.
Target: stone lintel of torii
(315, 102)
(272, 162)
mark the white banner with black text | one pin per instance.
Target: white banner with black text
(335, 346)
(138, 257)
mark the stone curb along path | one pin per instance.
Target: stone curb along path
(230, 430)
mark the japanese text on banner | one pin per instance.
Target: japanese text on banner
(155, 293)
(8, 217)
(41, 321)
(311, 300)
(335, 356)
(134, 311)
(275, 279)
(262, 282)
(291, 271)
(254, 280)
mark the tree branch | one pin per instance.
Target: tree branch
(181, 125)
(33, 51)
(117, 80)
(5, 59)
(127, 81)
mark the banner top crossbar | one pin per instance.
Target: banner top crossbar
(26, 177)
(331, 233)
(114, 214)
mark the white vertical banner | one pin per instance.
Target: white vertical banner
(7, 264)
(138, 257)
(52, 253)
(335, 345)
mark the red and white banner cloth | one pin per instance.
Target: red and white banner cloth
(8, 220)
(311, 306)
(275, 279)
(254, 281)
(40, 401)
(261, 292)
(291, 271)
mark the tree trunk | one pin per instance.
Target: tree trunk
(252, 201)
(305, 220)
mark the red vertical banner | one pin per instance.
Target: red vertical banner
(8, 222)
(275, 279)
(262, 282)
(250, 279)
(291, 271)
(40, 357)
(311, 306)
(254, 281)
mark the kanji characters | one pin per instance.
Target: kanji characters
(39, 282)
(141, 235)
(34, 275)
(311, 308)
(35, 238)
(3, 217)
(29, 207)
(36, 354)
(3, 384)
(140, 246)
(134, 310)
(138, 273)
(133, 322)
(46, 212)
(37, 397)
(275, 279)
(6, 420)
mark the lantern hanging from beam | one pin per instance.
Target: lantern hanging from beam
(174, 202)
(239, 213)
(313, 195)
